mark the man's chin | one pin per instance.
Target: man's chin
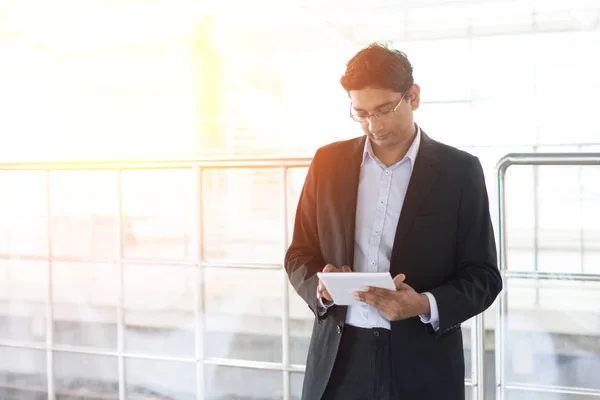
(382, 140)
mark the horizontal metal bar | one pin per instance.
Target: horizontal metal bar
(300, 162)
(251, 364)
(93, 352)
(69, 393)
(142, 261)
(574, 159)
(537, 275)
(223, 362)
(529, 387)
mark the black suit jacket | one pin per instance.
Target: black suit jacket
(444, 244)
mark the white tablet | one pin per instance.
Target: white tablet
(342, 285)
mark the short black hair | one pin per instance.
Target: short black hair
(380, 67)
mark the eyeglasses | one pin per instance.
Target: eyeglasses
(381, 115)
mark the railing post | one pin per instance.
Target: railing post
(500, 339)
(197, 257)
(121, 305)
(285, 326)
(534, 159)
(49, 295)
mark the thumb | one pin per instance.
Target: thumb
(399, 281)
(346, 268)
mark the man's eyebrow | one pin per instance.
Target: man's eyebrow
(387, 104)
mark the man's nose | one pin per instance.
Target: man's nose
(375, 124)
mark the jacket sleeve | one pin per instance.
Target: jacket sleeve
(477, 281)
(303, 258)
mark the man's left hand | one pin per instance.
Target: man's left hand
(403, 303)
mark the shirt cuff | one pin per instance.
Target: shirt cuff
(325, 304)
(433, 317)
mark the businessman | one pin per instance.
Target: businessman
(393, 200)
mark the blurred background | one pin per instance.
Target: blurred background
(127, 271)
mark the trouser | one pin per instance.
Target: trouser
(363, 367)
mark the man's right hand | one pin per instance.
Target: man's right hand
(321, 291)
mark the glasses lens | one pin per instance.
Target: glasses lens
(358, 118)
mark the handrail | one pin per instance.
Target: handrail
(198, 261)
(532, 159)
(476, 381)
(204, 163)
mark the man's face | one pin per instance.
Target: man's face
(391, 128)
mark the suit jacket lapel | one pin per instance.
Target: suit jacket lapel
(348, 174)
(424, 175)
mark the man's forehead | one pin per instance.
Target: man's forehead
(368, 103)
(372, 100)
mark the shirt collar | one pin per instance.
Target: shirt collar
(411, 154)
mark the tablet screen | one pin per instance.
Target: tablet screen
(342, 285)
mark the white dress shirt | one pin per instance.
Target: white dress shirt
(381, 193)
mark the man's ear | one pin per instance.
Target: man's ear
(414, 95)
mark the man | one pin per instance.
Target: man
(393, 200)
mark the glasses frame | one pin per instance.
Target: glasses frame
(381, 115)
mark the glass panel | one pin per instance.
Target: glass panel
(560, 218)
(159, 309)
(590, 193)
(157, 217)
(85, 304)
(468, 346)
(83, 376)
(23, 290)
(23, 213)
(520, 218)
(526, 395)
(296, 382)
(158, 380)
(555, 342)
(83, 213)
(296, 178)
(240, 383)
(22, 374)
(243, 314)
(301, 324)
(242, 215)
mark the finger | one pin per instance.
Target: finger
(403, 286)
(371, 299)
(330, 268)
(399, 280)
(327, 295)
(383, 293)
(346, 268)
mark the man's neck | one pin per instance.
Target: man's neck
(391, 155)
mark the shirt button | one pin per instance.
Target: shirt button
(387, 172)
(373, 263)
(376, 232)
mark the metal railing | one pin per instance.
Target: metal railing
(199, 263)
(530, 159)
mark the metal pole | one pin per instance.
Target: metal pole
(285, 320)
(535, 159)
(536, 228)
(121, 306)
(49, 297)
(500, 338)
(197, 247)
(478, 353)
